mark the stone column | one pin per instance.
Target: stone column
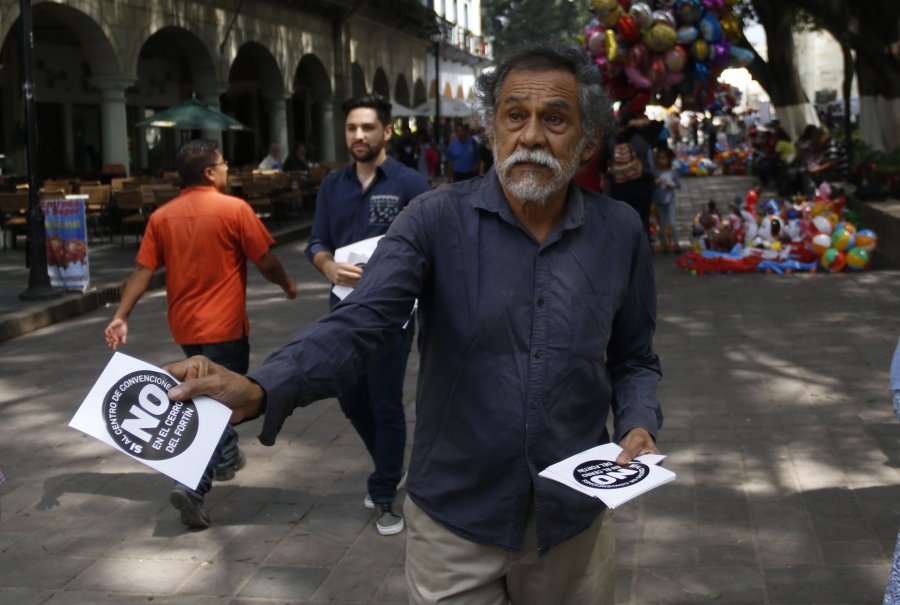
(113, 124)
(212, 97)
(278, 125)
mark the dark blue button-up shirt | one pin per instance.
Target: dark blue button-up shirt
(346, 214)
(525, 349)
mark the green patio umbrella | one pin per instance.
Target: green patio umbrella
(193, 114)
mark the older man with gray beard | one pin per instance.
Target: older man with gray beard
(537, 312)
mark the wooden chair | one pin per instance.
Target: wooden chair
(130, 206)
(54, 185)
(258, 193)
(163, 196)
(96, 207)
(13, 209)
(53, 194)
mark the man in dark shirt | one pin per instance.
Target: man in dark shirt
(537, 310)
(356, 203)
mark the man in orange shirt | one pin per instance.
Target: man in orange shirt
(204, 239)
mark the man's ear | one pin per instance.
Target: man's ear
(588, 152)
(388, 132)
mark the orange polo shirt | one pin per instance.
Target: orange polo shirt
(204, 239)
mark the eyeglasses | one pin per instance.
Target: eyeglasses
(222, 163)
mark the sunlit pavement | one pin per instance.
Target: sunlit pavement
(778, 424)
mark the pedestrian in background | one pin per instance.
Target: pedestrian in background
(462, 156)
(356, 203)
(204, 238)
(538, 307)
(892, 592)
(297, 160)
(271, 161)
(667, 182)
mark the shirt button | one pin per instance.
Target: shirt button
(533, 407)
(538, 354)
(540, 302)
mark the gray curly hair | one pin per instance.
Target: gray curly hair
(596, 106)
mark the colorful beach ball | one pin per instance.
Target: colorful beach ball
(842, 240)
(846, 225)
(858, 259)
(820, 243)
(822, 224)
(833, 260)
(866, 239)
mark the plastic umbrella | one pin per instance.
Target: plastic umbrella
(450, 108)
(193, 114)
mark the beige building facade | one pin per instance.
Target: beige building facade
(282, 68)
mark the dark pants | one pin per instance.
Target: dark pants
(638, 194)
(235, 356)
(374, 406)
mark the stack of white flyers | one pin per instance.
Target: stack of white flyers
(129, 409)
(594, 472)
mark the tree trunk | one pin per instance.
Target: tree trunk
(869, 27)
(781, 79)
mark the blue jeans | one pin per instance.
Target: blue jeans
(374, 406)
(235, 356)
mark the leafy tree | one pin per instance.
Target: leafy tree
(514, 22)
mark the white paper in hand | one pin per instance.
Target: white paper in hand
(595, 473)
(357, 253)
(129, 410)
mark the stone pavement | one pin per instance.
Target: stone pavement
(778, 424)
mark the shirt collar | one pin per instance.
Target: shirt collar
(490, 197)
(384, 170)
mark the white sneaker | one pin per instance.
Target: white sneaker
(367, 502)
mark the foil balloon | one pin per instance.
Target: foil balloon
(715, 6)
(641, 12)
(613, 51)
(663, 17)
(731, 29)
(639, 57)
(596, 41)
(673, 79)
(657, 72)
(675, 60)
(689, 11)
(740, 57)
(628, 29)
(660, 38)
(721, 54)
(701, 72)
(610, 18)
(638, 78)
(710, 28)
(604, 6)
(686, 34)
(700, 50)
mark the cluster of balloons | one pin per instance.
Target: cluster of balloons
(802, 236)
(693, 164)
(653, 50)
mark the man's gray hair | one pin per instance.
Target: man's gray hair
(596, 106)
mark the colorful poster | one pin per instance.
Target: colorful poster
(128, 409)
(67, 254)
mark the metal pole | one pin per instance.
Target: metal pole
(39, 287)
(437, 103)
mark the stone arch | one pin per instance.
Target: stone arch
(73, 50)
(85, 23)
(357, 80)
(448, 91)
(313, 106)
(419, 94)
(459, 92)
(380, 85)
(401, 91)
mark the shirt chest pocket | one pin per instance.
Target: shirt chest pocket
(383, 209)
(592, 317)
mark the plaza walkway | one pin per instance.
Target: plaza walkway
(778, 424)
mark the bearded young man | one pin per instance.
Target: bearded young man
(356, 203)
(537, 311)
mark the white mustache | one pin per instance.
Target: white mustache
(531, 156)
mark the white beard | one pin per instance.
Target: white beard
(528, 188)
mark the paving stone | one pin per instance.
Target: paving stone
(284, 582)
(819, 585)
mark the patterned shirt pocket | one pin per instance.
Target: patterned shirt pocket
(383, 209)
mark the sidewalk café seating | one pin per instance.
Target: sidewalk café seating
(118, 184)
(258, 193)
(52, 194)
(162, 196)
(54, 185)
(96, 208)
(13, 209)
(130, 206)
